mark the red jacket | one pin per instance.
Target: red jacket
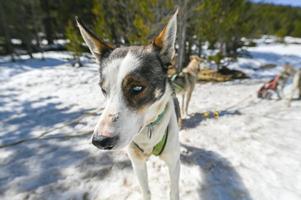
(271, 85)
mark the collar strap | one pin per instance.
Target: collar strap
(158, 148)
(175, 85)
(158, 119)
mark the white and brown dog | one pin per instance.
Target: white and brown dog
(139, 111)
(184, 82)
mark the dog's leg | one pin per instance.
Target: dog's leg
(299, 84)
(294, 88)
(279, 90)
(278, 94)
(188, 97)
(173, 164)
(172, 159)
(174, 175)
(183, 105)
(139, 165)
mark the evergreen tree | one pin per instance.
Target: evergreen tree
(75, 43)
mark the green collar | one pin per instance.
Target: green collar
(158, 119)
(159, 147)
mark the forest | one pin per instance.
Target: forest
(29, 26)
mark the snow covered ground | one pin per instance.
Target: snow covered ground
(252, 151)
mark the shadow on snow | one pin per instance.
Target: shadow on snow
(221, 180)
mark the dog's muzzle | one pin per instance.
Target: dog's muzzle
(103, 142)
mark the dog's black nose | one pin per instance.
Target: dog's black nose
(103, 142)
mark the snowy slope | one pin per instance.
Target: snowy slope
(252, 151)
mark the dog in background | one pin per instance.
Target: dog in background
(289, 72)
(139, 112)
(185, 81)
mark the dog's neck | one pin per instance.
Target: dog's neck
(154, 131)
(192, 67)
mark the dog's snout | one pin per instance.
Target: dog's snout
(103, 142)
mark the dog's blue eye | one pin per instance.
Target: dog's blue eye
(137, 89)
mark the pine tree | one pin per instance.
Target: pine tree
(6, 33)
(75, 43)
(221, 23)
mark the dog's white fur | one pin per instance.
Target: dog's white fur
(131, 126)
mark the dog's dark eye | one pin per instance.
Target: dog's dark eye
(137, 89)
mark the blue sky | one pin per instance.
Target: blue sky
(283, 2)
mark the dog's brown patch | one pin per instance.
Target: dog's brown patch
(135, 100)
(152, 90)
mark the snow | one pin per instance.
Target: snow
(251, 151)
(292, 40)
(278, 54)
(16, 41)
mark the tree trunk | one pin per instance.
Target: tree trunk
(188, 52)
(199, 48)
(27, 37)
(182, 22)
(8, 46)
(36, 28)
(47, 21)
(27, 40)
(222, 48)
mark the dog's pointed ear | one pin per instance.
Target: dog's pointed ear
(97, 47)
(165, 41)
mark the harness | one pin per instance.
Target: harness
(176, 86)
(178, 81)
(159, 147)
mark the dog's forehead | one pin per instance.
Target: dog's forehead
(125, 60)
